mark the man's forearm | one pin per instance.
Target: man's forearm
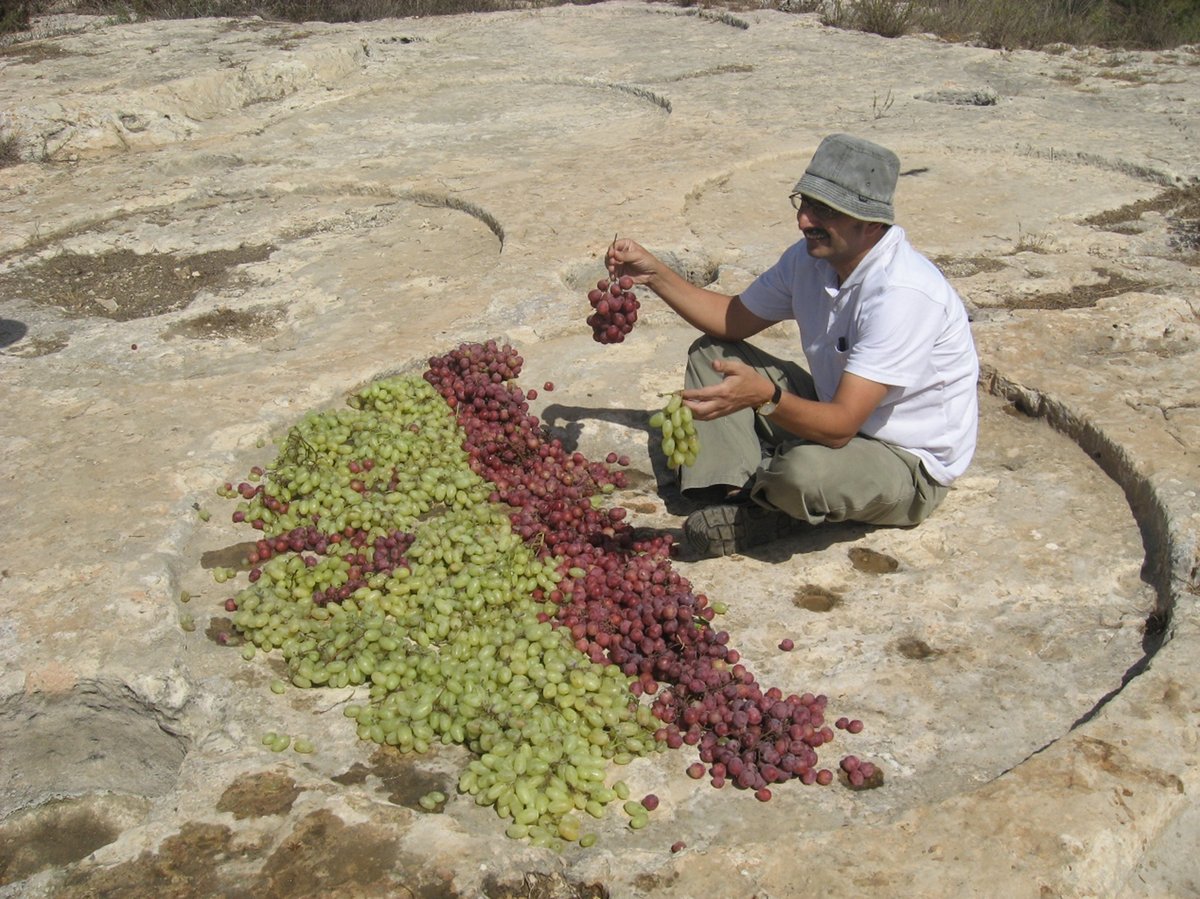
(706, 310)
(823, 423)
(834, 423)
(717, 314)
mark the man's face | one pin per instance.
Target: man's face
(838, 238)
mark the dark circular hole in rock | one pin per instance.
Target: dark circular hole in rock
(62, 832)
(871, 562)
(100, 736)
(967, 97)
(914, 648)
(815, 599)
(259, 794)
(11, 331)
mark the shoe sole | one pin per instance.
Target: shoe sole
(722, 530)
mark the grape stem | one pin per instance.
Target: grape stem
(340, 702)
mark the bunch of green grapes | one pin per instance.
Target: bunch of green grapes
(679, 442)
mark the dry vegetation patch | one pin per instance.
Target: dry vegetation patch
(1084, 296)
(539, 885)
(1009, 24)
(967, 266)
(224, 322)
(1179, 205)
(31, 348)
(122, 285)
(10, 150)
(32, 52)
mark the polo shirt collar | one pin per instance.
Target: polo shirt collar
(891, 238)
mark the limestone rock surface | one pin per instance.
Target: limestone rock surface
(219, 225)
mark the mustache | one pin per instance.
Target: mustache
(816, 233)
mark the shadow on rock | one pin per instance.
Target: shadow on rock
(11, 331)
(804, 541)
(566, 422)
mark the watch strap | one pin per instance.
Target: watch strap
(772, 404)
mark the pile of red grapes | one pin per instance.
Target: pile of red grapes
(615, 309)
(469, 569)
(624, 603)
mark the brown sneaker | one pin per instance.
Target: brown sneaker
(721, 530)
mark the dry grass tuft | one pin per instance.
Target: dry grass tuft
(10, 150)
(14, 16)
(1028, 24)
(887, 18)
(1001, 24)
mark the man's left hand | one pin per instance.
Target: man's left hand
(741, 388)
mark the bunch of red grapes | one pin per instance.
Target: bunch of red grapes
(382, 556)
(621, 599)
(615, 309)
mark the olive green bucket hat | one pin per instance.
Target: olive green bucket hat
(853, 176)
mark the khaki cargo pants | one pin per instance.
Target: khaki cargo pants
(866, 480)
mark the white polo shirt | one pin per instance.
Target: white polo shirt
(896, 321)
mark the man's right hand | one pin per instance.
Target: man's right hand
(716, 314)
(628, 257)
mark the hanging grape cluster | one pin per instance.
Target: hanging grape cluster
(615, 309)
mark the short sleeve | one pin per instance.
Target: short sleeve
(770, 295)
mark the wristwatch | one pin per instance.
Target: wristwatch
(769, 407)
